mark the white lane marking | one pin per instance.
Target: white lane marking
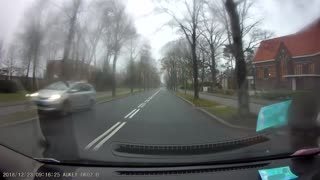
(147, 100)
(141, 105)
(130, 113)
(108, 137)
(101, 136)
(134, 113)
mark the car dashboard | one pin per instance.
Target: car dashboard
(17, 166)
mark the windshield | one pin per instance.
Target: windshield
(58, 86)
(157, 81)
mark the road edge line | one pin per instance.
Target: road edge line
(215, 117)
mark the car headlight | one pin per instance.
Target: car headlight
(54, 97)
(32, 95)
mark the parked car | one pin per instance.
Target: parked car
(65, 97)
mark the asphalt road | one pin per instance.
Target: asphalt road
(155, 117)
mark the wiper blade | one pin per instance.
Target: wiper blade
(47, 160)
(123, 149)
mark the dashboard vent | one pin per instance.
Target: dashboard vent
(198, 149)
(189, 171)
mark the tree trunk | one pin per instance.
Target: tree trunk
(34, 83)
(242, 85)
(114, 66)
(131, 76)
(195, 65)
(203, 71)
(213, 67)
(68, 42)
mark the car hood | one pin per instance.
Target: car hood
(46, 93)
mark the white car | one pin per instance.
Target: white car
(65, 97)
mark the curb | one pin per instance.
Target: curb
(215, 117)
(223, 121)
(185, 100)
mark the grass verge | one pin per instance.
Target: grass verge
(228, 114)
(12, 97)
(120, 94)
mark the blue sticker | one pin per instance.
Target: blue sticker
(274, 115)
(281, 173)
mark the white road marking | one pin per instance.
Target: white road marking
(134, 113)
(130, 113)
(108, 137)
(141, 105)
(101, 136)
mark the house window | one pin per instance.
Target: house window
(284, 70)
(311, 68)
(272, 72)
(305, 68)
(260, 73)
(265, 73)
(298, 69)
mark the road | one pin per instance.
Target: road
(155, 117)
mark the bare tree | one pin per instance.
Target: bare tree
(11, 60)
(188, 22)
(2, 52)
(237, 35)
(214, 35)
(177, 63)
(75, 9)
(134, 52)
(119, 29)
(32, 38)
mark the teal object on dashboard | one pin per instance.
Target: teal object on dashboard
(281, 173)
(275, 115)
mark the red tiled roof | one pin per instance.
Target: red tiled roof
(304, 42)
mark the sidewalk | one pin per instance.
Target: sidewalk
(252, 99)
(222, 113)
(255, 104)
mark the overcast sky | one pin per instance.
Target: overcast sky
(281, 16)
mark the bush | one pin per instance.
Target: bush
(9, 86)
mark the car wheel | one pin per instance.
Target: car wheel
(66, 109)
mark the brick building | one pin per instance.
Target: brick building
(290, 62)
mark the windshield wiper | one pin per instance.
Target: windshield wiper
(47, 160)
(123, 149)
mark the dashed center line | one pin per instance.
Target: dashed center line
(134, 113)
(101, 136)
(116, 127)
(130, 113)
(108, 137)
